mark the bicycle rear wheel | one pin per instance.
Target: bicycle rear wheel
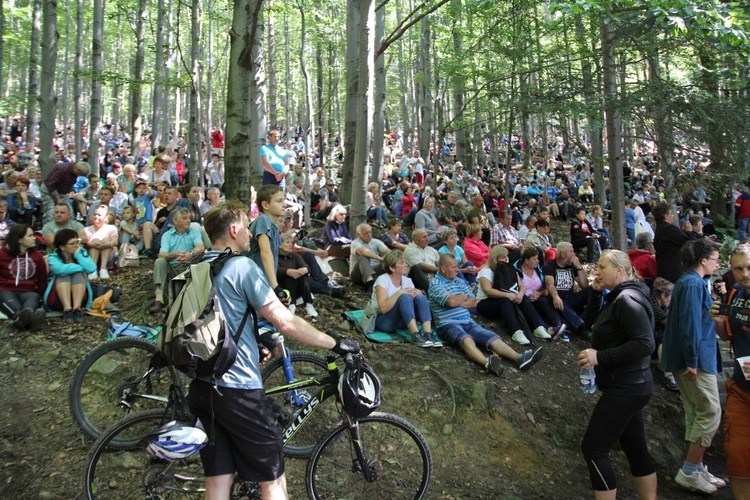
(393, 448)
(290, 403)
(112, 372)
(132, 472)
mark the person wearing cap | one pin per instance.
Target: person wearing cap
(273, 161)
(58, 186)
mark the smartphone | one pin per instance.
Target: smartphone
(724, 309)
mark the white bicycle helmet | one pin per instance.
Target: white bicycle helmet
(359, 389)
(176, 441)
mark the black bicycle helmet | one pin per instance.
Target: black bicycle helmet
(176, 441)
(359, 388)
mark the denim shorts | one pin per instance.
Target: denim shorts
(454, 333)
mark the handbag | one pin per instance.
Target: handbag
(128, 256)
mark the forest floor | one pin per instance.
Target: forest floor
(491, 438)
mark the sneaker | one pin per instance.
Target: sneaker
(557, 331)
(494, 366)
(529, 358)
(420, 341)
(310, 310)
(541, 333)
(24, 319)
(670, 382)
(93, 276)
(157, 307)
(38, 319)
(520, 338)
(78, 315)
(69, 318)
(563, 337)
(292, 309)
(432, 337)
(103, 274)
(694, 482)
(716, 481)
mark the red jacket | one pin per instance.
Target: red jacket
(23, 273)
(742, 204)
(643, 262)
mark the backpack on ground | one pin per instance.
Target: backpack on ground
(195, 337)
(128, 256)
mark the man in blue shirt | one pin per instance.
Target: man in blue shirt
(246, 436)
(273, 160)
(178, 246)
(450, 301)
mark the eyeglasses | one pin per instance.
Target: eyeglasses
(714, 259)
(74, 242)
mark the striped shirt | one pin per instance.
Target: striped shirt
(440, 291)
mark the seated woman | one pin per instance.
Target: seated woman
(394, 238)
(101, 240)
(293, 274)
(586, 193)
(69, 266)
(583, 235)
(533, 281)
(450, 246)
(336, 239)
(501, 290)
(426, 220)
(475, 249)
(395, 303)
(23, 277)
(375, 206)
(21, 203)
(481, 218)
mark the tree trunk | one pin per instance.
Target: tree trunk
(463, 148)
(614, 140)
(321, 114)
(47, 96)
(63, 108)
(287, 101)
(246, 120)
(308, 125)
(2, 40)
(96, 83)
(194, 126)
(364, 111)
(78, 80)
(158, 118)
(136, 82)
(272, 120)
(663, 128)
(352, 90)
(425, 105)
(208, 126)
(33, 90)
(378, 119)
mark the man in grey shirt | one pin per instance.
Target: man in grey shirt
(366, 254)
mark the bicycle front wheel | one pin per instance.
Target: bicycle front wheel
(132, 472)
(288, 404)
(117, 371)
(394, 450)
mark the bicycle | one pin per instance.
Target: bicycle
(374, 456)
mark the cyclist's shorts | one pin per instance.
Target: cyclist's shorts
(737, 431)
(246, 438)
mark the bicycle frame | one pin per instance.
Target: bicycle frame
(128, 395)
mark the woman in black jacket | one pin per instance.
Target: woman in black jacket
(622, 342)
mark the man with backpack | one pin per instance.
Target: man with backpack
(245, 435)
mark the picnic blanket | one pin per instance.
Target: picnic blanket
(378, 336)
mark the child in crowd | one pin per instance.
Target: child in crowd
(129, 231)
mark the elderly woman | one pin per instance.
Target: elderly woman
(475, 248)
(395, 303)
(468, 272)
(622, 341)
(336, 237)
(126, 180)
(101, 239)
(69, 266)
(374, 205)
(501, 290)
(426, 220)
(22, 203)
(23, 278)
(394, 238)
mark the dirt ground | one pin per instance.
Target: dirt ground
(491, 438)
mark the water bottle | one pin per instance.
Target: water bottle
(588, 380)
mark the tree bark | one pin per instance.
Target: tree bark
(63, 108)
(272, 119)
(405, 127)
(136, 81)
(378, 119)
(352, 90)
(78, 81)
(96, 83)
(364, 111)
(321, 112)
(308, 125)
(47, 96)
(33, 90)
(614, 139)
(463, 150)
(425, 105)
(194, 124)
(246, 120)
(157, 119)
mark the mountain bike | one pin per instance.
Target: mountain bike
(377, 456)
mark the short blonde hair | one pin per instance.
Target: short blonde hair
(497, 252)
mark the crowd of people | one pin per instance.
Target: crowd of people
(441, 248)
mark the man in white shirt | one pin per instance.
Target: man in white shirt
(366, 254)
(422, 259)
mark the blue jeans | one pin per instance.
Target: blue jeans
(269, 179)
(742, 229)
(469, 278)
(379, 214)
(455, 333)
(406, 309)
